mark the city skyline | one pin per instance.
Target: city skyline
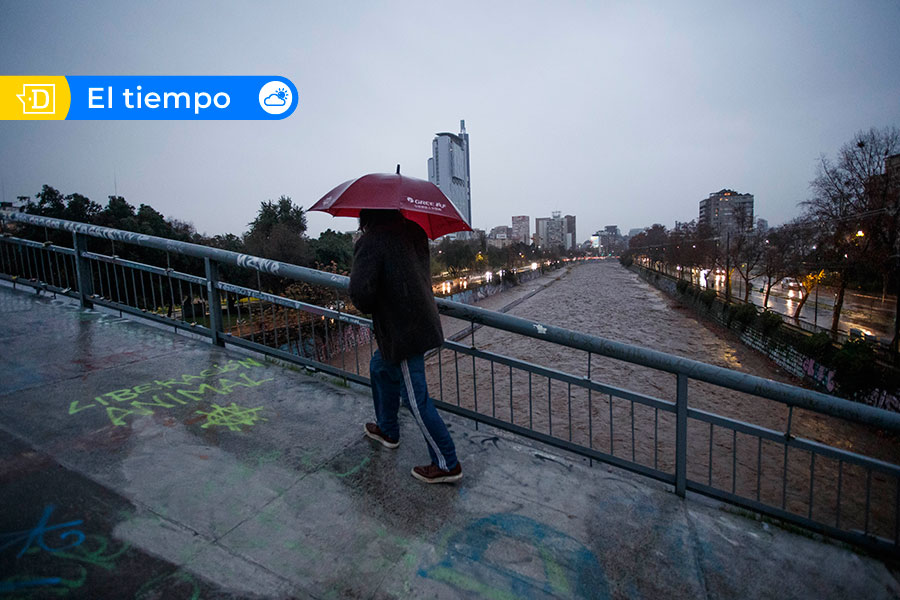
(625, 113)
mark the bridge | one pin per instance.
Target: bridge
(162, 445)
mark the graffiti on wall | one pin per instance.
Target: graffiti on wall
(145, 398)
(818, 373)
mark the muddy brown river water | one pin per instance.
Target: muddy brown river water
(605, 299)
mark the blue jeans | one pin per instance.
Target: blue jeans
(406, 380)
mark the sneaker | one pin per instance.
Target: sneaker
(434, 474)
(374, 432)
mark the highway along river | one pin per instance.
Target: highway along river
(605, 299)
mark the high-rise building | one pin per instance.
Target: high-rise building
(554, 231)
(571, 239)
(540, 231)
(521, 228)
(448, 168)
(727, 211)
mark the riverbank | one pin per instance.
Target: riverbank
(505, 300)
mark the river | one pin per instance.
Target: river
(605, 299)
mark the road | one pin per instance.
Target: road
(867, 313)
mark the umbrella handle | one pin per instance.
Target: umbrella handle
(398, 169)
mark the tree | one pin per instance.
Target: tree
(802, 245)
(748, 247)
(851, 196)
(82, 209)
(281, 213)
(456, 255)
(333, 247)
(650, 243)
(50, 203)
(279, 232)
(773, 263)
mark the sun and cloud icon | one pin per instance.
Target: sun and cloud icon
(275, 98)
(279, 98)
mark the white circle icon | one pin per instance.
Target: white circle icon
(275, 97)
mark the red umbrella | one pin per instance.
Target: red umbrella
(419, 201)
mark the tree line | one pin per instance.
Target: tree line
(277, 232)
(847, 236)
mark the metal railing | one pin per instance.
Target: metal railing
(825, 487)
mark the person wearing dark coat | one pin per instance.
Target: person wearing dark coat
(391, 280)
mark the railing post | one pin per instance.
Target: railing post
(82, 270)
(681, 435)
(215, 304)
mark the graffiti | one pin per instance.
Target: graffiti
(352, 470)
(260, 264)
(232, 416)
(34, 541)
(882, 399)
(479, 560)
(36, 535)
(75, 552)
(162, 587)
(819, 373)
(140, 399)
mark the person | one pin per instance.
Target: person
(391, 280)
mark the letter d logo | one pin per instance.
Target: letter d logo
(38, 99)
(33, 97)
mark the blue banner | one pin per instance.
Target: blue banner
(171, 97)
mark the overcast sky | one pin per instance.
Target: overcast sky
(625, 113)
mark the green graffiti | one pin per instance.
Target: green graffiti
(140, 400)
(262, 458)
(465, 583)
(353, 470)
(556, 575)
(232, 416)
(94, 552)
(160, 587)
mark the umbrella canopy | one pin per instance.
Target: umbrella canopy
(419, 201)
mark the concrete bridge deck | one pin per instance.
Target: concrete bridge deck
(137, 463)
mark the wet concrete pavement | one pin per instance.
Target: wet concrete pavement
(136, 463)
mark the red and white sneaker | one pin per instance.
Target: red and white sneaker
(434, 474)
(374, 432)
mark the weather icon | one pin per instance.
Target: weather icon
(279, 98)
(275, 98)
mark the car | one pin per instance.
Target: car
(789, 283)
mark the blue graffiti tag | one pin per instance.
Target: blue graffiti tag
(11, 586)
(473, 561)
(36, 534)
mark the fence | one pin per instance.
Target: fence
(825, 487)
(737, 297)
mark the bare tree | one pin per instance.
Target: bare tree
(773, 263)
(801, 243)
(848, 201)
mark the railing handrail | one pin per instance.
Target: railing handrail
(692, 369)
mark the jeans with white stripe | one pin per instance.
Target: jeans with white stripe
(406, 380)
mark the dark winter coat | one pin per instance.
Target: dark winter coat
(391, 280)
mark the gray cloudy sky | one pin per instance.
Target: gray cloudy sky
(622, 113)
